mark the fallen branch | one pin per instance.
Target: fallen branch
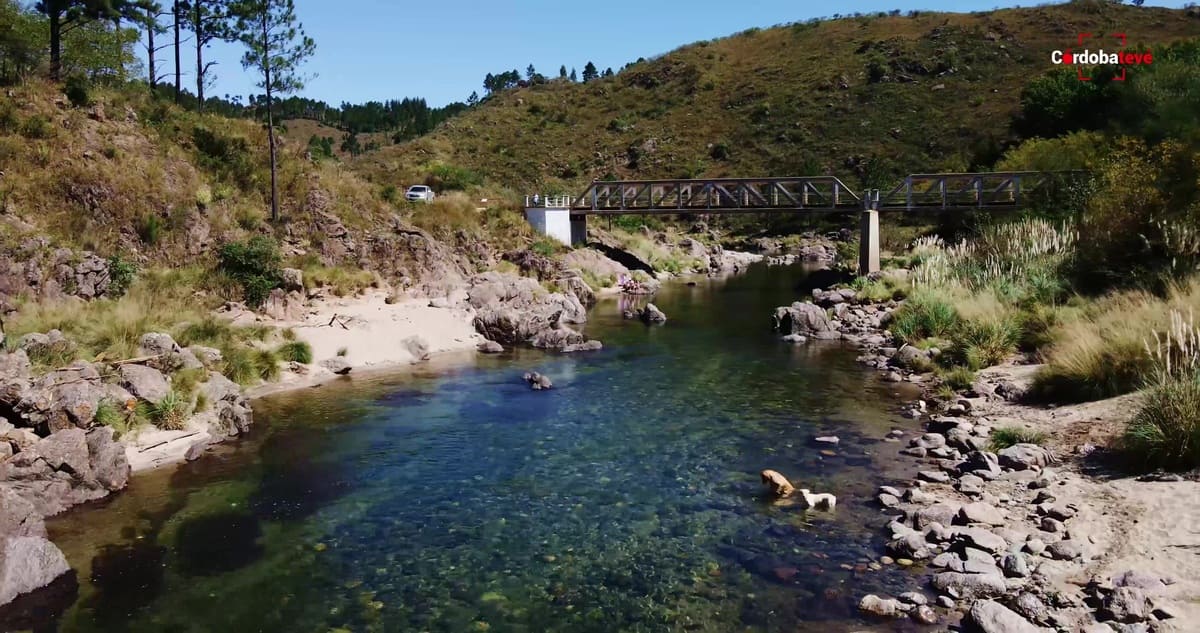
(143, 450)
(335, 320)
(134, 361)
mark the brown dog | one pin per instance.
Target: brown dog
(779, 485)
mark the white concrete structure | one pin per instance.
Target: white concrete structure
(553, 222)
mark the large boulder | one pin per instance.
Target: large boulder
(62, 399)
(651, 314)
(515, 310)
(228, 407)
(18, 517)
(107, 459)
(969, 586)
(146, 383)
(67, 468)
(157, 344)
(802, 318)
(28, 563)
(988, 616)
(1024, 456)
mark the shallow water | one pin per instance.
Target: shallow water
(456, 499)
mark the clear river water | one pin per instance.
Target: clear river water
(453, 498)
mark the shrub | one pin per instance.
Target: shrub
(121, 273)
(339, 280)
(115, 416)
(185, 381)
(229, 156)
(389, 194)
(342, 351)
(984, 343)
(295, 351)
(150, 228)
(37, 127)
(451, 178)
(959, 378)
(266, 364)
(254, 265)
(1007, 436)
(1165, 432)
(922, 316)
(76, 90)
(545, 246)
(238, 364)
(170, 413)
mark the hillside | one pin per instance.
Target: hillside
(865, 98)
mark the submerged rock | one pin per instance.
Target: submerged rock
(883, 607)
(537, 381)
(490, 347)
(651, 314)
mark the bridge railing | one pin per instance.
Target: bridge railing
(726, 194)
(979, 190)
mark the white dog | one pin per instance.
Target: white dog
(821, 501)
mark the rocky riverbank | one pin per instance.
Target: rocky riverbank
(1021, 537)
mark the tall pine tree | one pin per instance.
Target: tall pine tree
(276, 47)
(209, 21)
(66, 15)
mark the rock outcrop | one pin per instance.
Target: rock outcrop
(513, 310)
(27, 560)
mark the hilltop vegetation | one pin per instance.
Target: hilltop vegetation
(867, 98)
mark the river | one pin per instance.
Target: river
(453, 498)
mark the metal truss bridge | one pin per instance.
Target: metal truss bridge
(951, 191)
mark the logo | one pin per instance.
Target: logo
(1120, 58)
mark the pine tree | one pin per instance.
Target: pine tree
(573, 76)
(608, 72)
(276, 47)
(67, 15)
(562, 72)
(589, 72)
(209, 21)
(530, 72)
(151, 21)
(473, 100)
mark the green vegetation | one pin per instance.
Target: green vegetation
(295, 351)
(1165, 432)
(254, 265)
(1007, 436)
(170, 413)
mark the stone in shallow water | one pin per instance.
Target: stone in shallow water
(883, 607)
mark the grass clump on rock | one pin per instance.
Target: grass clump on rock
(170, 413)
(1007, 436)
(296, 352)
(1165, 432)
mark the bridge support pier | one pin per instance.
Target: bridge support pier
(558, 224)
(868, 242)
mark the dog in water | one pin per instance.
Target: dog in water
(778, 484)
(820, 500)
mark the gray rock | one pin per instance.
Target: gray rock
(337, 365)
(209, 356)
(924, 615)
(887, 500)
(946, 602)
(417, 346)
(794, 338)
(883, 607)
(1030, 606)
(988, 616)
(935, 476)
(62, 398)
(66, 450)
(973, 566)
(828, 439)
(914, 451)
(946, 560)
(1057, 511)
(911, 546)
(892, 376)
(196, 450)
(942, 512)
(651, 314)
(1035, 546)
(144, 382)
(929, 441)
(980, 512)
(970, 485)
(918, 496)
(1054, 526)
(980, 538)
(1015, 565)
(292, 279)
(969, 586)
(1126, 604)
(157, 344)
(1065, 550)
(981, 464)
(911, 357)
(1024, 456)
(28, 563)
(18, 517)
(109, 464)
(890, 490)
(802, 318)
(537, 381)
(914, 597)
(1147, 582)
(490, 347)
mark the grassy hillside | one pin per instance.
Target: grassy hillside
(866, 98)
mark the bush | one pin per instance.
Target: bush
(150, 228)
(170, 413)
(1165, 432)
(254, 265)
(450, 178)
(76, 90)
(114, 416)
(37, 127)
(980, 344)
(237, 363)
(266, 364)
(959, 378)
(545, 246)
(121, 274)
(295, 351)
(1007, 436)
(924, 315)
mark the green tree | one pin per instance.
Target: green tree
(350, 144)
(276, 47)
(530, 72)
(562, 72)
(67, 15)
(473, 100)
(22, 34)
(574, 77)
(589, 72)
(100, 50)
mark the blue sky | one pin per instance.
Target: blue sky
(384, 49)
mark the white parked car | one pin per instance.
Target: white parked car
(419, 192)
